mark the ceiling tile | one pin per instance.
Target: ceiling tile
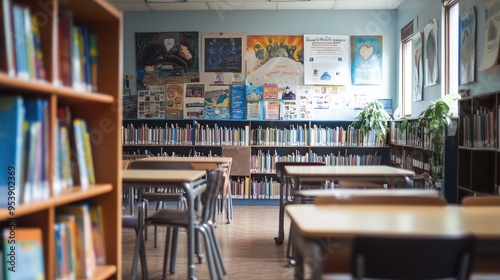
(181, 6)
(129, 7)
(244, 6)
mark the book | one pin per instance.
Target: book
(88, 152)
(62, 252)
(98, 234)
(6, 39)
(86, 262)
(27, 245)
(80, 158)
(12, 114)
(22, 71)
(69, 221)
(38, 52)
(87, 59)
(29, 42)
(64, 50)
(93, 60)
(76, 63)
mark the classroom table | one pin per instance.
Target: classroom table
(314, 226)
(317, 174)
(207, 163)
(192, 182)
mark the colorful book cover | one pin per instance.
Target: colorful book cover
(29, 41)
(270, 92)
(238, 102)
(174, 101)
(93, 60)
(88, 152)
(12, 114)
(254, 111)
(76, 63)
(194, 101)
(98, 234)
(69, 221)
(27, 245)
(7, 33)
(254, 93)
(65, 27)
(37, 42)
(80, 154)
(217, 102)
(272, 110)
(86, 57)
(20, 42)
(86, 262)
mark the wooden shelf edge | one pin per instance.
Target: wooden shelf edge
(28, 85)
(104, 272)
(67, 92)
(72, 195)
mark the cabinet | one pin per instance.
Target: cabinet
(269, 142)
(478, 158)
(101, 111)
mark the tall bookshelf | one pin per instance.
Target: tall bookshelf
(268, 141)
(101, 110)
(478, 153)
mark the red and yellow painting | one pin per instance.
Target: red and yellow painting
(275, 59)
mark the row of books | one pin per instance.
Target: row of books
(266, 162)
(410, 163)
(479, 129)
(241, 136)
(417, 137)
(22, 47)
(79, 245)
(24, 134)
(77, 50)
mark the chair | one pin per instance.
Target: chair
(163, 196)
(481, 201)
(135, 223)
(178, 218)
(411, 257)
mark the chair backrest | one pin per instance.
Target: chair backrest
(481, 201)
(159, 165)
(410, 257)
(215, 182)
(382, 200)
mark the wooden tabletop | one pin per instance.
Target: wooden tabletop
(346, 171)
(367, 192)
(217, 160)
(345, 221)
(166, 176)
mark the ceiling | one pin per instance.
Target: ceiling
(211, 5)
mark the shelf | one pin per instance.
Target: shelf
(352, 147)
(104, 272)
(68, 95)
(31, 86)
(70, 196)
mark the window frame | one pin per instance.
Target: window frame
(448, 5)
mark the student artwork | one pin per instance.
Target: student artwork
(491, 35)
(431, 65)
(217, 102)
(366, 66)
(151, 103)
(166, 57)
(467, 47)
(326, 59)
(271, 92)
(222, 54)
(418, 77)
(275, 59)
(174, 100)
(287, 92)
(194, 101)
(254, 93)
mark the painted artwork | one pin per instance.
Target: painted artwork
(174, 100)
(275, 59)
(194, 101)
(491, 35)
(223, 54)
(217, 102)
(166, 57)
(366, 57)
(326, 59)
(430, 54)
(418, 75)
(467, 47)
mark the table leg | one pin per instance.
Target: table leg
(131, 200)
(190, 230)
(281, 233)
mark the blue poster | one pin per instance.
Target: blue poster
(366, 60)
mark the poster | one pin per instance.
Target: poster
(366, 66)
(194, 101)
(217, 102)
(305, 98)
(151, 103)
(272, 110)
(467, 47)
(491, 35)
(275, 59)
(430, 54)
(129, 105)
(174, 103)
(326, 59)
(222, 54)
(418, 76)
(166, 58)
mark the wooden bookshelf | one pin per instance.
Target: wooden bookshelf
(100, 109)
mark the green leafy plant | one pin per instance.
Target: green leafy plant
(373, 117)
(436, 120)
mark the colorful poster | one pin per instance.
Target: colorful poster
(272, 109)
(468, 47)
(491, 35)
(254, 93)
(253, 110)
(151, 103)
(194, 101)
(217, 102)
(418, 76)
(326, 59)
(305, 102)
(271, 92)
(431, 51)
(238, 102)
(275, 59)
(173, 102)
(222, 54)
(366, 57)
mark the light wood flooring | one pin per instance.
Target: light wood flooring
(247, 244)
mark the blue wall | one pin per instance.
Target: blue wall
(381, 22)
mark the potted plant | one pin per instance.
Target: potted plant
(435, 120)
(374, 118)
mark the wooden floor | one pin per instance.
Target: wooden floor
(247, 244)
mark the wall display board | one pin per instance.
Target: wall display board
(326, 59)
(418, 75)
(366, 55)
(431, 51)
(491, 35)
(467, 47)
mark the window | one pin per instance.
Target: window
(406, 69)
(451, 51)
